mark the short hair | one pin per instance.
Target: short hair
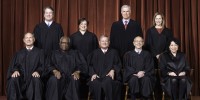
(81, 20)
(103, 35)
(29, 33)
(163, 18)
(126, 6)
(139, 37)
(48, 7)
(175, 40)
(65, 37)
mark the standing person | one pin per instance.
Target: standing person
(48, 32)
(139, 70)
(104, 69)
(157, 37)
(174, 69)
(25, 71)
(64, 73)
(124, 31)
(156, 42)
(85, 42)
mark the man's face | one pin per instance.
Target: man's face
(126, 13)
(48, 14)
(83, 26)
(29, 39)
(138, 42)
(104, 42)
(64, 44)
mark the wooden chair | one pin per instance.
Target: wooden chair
(190, 75)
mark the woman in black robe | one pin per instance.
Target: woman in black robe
(174, 69)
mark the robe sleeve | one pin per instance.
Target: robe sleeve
(81, 64)
(13, 66)
(36, 33)
(90, 64)
(163, 66)
(149, 65)
(128, 69)
(40, 67)
(117, 66)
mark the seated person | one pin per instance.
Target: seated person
(24, 72)
(174, 66)
(139, 70)
(63, 71)
(104, 67)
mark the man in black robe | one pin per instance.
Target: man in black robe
(24, 72)
(139, 70)
(48, 33)
(85, 42)
(124, 31)
(104, 70)
(63, 72)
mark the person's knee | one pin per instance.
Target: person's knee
(183, 80)
(173, 80)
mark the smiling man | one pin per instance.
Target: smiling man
(124, 31)
(104, 68)
(24, 72)
(139, 70)
(48, 32)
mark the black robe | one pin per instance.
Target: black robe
(121, 39)
(67, 63)
(133, 63)
(169, 63)
(47, 38)
(101, 64)
(25, 86)
(157, 43)
(84, 43)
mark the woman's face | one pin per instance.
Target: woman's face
(158, 20)
(83, 26)
(173, 47)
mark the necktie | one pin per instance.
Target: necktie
(125, 24)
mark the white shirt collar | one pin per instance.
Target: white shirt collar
(138, 50)
(29, 48)
(48, 22)
(104, 50)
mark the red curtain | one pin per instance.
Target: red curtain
(20, 16)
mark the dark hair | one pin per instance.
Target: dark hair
(174, 40)
(48, 7)
(81, 20)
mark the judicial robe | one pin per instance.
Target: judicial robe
(121, 39)
(169, 63)
(101, 64)
(66, 63)
(48, 37)
(133, 63)
(25, 86)
(84, 43)
(157, 43)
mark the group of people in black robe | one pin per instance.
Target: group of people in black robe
(55, 67)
